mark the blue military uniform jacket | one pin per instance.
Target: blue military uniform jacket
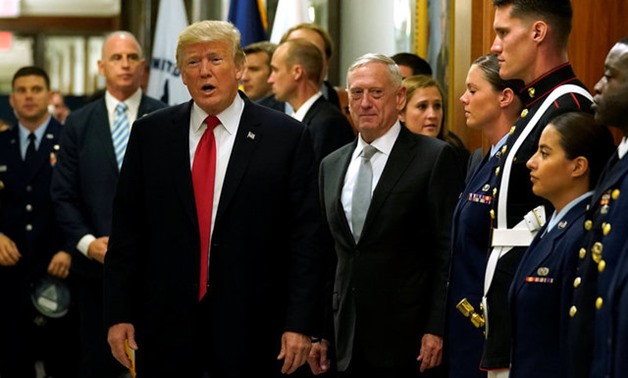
(521, 200)
(540, 295)
(26, 211)
(470, 247)
(594, 306)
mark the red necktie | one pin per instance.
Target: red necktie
(203, 172)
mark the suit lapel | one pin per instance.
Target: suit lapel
(401, 155)
(14, 153)
(179, 133)
(312, 110)
(247, 138)
(45, 146)
(102, 130)
(336, 182)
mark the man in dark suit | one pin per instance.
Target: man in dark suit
(296, 77)
(252, 308)
(83, 186)
(31, 246)
(319, 37)
(393, 254)
(598, 333)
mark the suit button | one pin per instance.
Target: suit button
(29, 188)
(599, 302)
(615, 194)
(582, 254)
(577, 282)
(29, 207)
(572, 311)
(601, 266)
(29, 227)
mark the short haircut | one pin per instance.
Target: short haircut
(305, 53)
(329, 45)
(124, 33)
(393, 69)
(262, 46)
(31, 71)
(557, 13)
(489, 65)
(581, 136)
(210, 31)
(418, 65)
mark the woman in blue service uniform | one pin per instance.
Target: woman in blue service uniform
(492, 106)
(571, 154)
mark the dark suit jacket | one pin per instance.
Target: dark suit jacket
(540, 296)
(329, 128)
(264, 270)
(271, 102)
(394, 279)
(86, 176)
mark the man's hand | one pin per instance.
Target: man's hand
(9, 255)
(318, 360)
(295, 348)
(120, 335)
(431, 352)
(98, 248)
(60, 265)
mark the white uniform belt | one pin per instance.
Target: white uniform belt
(515, 237)
(523, 233)
(503, 241)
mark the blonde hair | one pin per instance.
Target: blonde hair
(209, 31)
(416, 82)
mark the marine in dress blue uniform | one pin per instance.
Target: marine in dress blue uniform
(521, 200)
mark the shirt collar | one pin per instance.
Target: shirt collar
(229, 118)
(498, 145)
(39, 132)
(300, 114)
(557, 217)
(622, 149)
(384, 143)
(133, 102)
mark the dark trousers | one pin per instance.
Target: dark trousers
(96, 360)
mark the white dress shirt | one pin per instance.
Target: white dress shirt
(225, 134)
(384, 145)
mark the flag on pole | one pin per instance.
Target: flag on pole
(289, 13)
(249, 16)
(164, 82)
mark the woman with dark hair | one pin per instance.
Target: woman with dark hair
(572, 152)
(492, 106)
(424, 114)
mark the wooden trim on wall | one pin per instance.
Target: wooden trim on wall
(60, 25)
